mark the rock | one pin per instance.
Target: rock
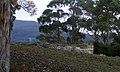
(58, 47)
(69, 48)
(102, 55)
(77, 49)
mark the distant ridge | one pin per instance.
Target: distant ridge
(26, 31)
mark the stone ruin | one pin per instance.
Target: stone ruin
(88, 49)
(85, 48)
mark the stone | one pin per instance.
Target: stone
(77, 49)
(69, 48)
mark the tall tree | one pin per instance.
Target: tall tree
(102, 15)
(6, 13)
(51, 19)
(4, 35)
(73, 24)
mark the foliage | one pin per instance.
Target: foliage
(7, 9)
(49, 38)
(104, 25)
(28, 6)
(110, 50)
(51, 24)
(103, 18)
(46, 59)
(97, 17)
(114, 50)
(74, 21)
(14, 7)
(100, 48)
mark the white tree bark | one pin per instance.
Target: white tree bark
(4, 35)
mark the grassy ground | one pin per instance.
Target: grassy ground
(36, 59)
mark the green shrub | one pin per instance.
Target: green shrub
(100, 48)
(107, 49)
(114, 50)
(46, 45)
(37, 59)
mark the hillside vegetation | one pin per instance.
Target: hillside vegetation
(32, 58)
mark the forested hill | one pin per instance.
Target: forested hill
(24, 31)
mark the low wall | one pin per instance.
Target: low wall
(88, 49)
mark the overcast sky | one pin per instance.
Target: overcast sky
(40, 4)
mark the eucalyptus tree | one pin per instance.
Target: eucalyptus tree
(7, 9)
(51, 18)
(74, 19)
(97, 16)
(102, 15)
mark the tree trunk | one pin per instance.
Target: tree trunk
(4, 35)
(58, 34)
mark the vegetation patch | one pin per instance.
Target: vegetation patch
(32, 58)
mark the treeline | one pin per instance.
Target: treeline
(97, 17)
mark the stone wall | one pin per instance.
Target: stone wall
(82, 48)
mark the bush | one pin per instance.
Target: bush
(100, 48)
(114, 50)
(26, 58)
(109, 50)
(46, 45)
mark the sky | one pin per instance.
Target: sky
(41, 6)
